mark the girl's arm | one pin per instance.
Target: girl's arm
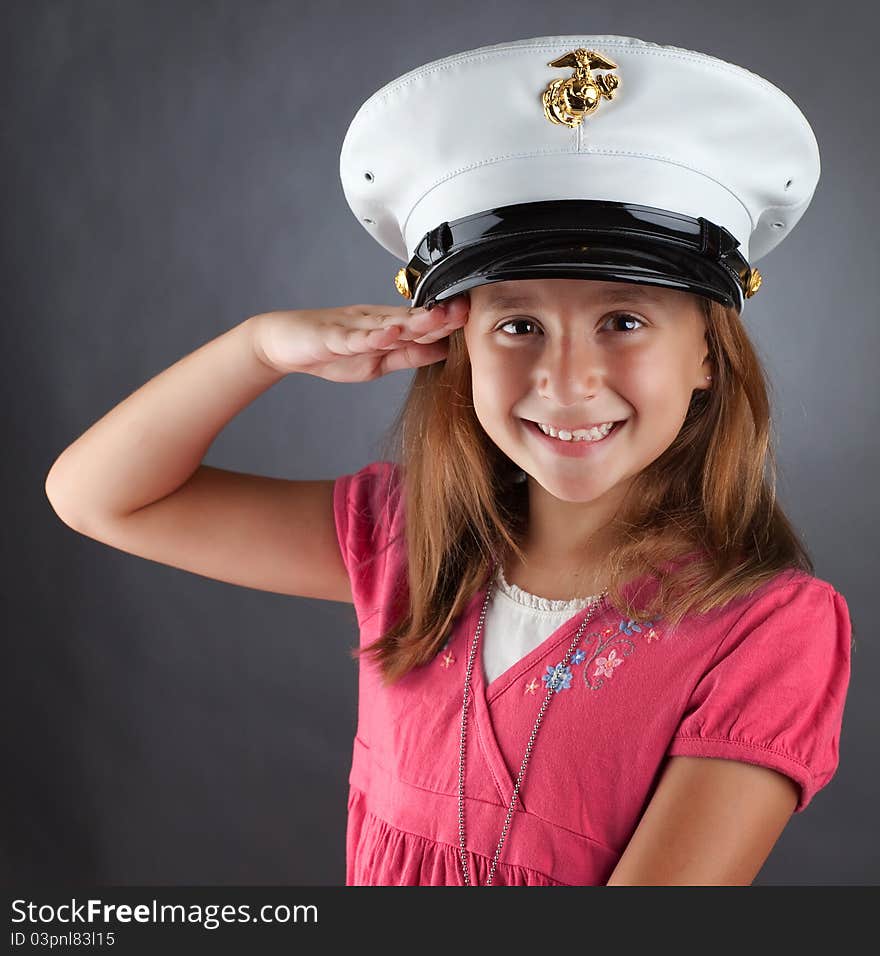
(711, 822)
(134, 479)
(150, 444)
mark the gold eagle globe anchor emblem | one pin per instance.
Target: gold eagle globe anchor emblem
(567, 102)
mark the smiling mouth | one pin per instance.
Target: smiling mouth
(575, 440)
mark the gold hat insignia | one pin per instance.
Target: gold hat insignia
(401, 283)
(753, 282)
(568, 101)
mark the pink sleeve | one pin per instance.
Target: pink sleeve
(775, 691)
(366, 515)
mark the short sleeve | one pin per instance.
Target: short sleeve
(775, 691)
(367, 515)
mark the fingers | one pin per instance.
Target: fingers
(418, 325)
(443, 319)
(419, 337)
(411, 355)
(397, 329)
(368, 340)
(441, 332)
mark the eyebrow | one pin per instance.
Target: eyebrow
(507, 300)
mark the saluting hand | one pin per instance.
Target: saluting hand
(357, 343)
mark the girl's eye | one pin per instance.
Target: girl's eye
(626, 316)
(516, 322)
(617, 316)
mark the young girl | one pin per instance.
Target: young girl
(592, 648)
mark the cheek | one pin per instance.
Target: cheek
(494, 377)
(489, 410)
(495, 401)
(655, 383)
(490, 398)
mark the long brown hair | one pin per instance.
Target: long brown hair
(712, 492)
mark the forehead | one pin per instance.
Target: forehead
(530, 293)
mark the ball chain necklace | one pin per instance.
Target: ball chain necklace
(552, 684)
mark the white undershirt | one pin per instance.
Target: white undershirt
(517, 622)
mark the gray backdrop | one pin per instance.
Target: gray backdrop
(171, 170)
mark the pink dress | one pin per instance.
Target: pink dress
(762, 680)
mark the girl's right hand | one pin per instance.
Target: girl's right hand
(357, 343)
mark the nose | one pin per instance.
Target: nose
(570, 370)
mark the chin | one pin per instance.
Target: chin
(575, 491)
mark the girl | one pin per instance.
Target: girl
(592, 648)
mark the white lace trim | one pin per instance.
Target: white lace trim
(539, 603)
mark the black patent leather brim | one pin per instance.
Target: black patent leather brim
(524, 257)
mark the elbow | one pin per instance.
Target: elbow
(55, 497)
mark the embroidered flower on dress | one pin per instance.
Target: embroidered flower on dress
(563, 677)
(446, 656)
(629, 627)
(606, 665)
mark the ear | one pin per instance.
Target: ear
(706, 369)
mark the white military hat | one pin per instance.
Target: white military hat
(601, 157)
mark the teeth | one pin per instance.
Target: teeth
(581, 434)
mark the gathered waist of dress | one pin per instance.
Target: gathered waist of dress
(532, 842)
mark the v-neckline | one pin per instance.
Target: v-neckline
(565, 631)
(483, 695)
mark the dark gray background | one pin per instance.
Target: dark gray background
(171, 169)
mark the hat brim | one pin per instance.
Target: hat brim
(527, 257)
